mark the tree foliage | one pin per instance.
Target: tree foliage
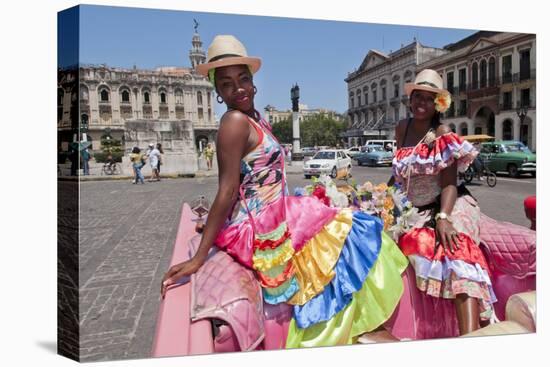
(315, 130)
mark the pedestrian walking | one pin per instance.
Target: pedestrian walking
(159, 148)
(137, 160)
(209, 155)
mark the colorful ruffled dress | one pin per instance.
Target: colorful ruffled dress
(443, 274)
(337, 268)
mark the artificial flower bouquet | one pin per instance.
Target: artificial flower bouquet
(389, 203)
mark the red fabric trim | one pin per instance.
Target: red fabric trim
(421, 241)
(441, 143)
(271, 244)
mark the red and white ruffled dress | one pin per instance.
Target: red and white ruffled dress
(443, 274)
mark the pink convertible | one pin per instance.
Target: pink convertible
(220, 308)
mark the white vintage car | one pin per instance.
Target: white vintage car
(333, 162)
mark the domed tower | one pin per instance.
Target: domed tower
(196, 54)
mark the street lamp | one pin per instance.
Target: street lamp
(522, 113)
(83, 124)
(295, 96)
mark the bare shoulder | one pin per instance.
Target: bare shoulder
(443, 129)
(234, 117)
(234, 122)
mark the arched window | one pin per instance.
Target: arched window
(366, 95)
(475, 77)
(453, 128)
(125, 96)
(146, 97)
(209, 99)
(351, 101)
(483, 74)
(163, 97)
(104, 95)
(463, 129)
(358, 93)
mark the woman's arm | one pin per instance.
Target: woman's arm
(232, 142)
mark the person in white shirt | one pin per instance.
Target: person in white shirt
(154, 157)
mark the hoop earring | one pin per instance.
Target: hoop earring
(255, 90)
(219, 99)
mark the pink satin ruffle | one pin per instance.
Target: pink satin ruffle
(305, 216)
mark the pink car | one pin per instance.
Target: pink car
(220, 308)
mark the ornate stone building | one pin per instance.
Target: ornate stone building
(491, 76)
(376, 95)
(273, 115)
(112, 100)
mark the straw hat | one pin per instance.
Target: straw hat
(428, 80)
(227, 50)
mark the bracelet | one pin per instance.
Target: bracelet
(442, 215)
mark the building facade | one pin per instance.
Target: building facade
(110, 99)
(376, 96)
(274, 116)
(492, 79)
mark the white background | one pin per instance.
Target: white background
(28, 184)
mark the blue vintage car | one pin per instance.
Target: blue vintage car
(375, 155)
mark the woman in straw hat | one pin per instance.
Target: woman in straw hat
(443, 246)
(337, 268)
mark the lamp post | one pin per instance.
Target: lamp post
(522, 113)
(295, 96)
(84, 127)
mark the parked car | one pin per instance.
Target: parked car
(382, 143)
(509, 156)
(308, 151)
(375, 155)
(353, 152)
(335, 163)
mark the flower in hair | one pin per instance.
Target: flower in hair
(442, 102)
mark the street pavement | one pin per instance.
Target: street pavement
(126, 240)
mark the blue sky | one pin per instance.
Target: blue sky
(316, 54)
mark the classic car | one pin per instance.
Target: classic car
(509, 156)
(375, 155)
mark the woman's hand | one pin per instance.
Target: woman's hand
(447, 236)
(178, 271)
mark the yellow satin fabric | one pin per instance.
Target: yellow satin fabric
(314, 264)
(370, 307)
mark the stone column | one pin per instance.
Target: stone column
(115, 107)
(516, 129)
(295, 133)
(171, 101)
(471, 127)
(155, 102)
(498, 128)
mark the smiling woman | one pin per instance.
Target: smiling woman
(316, 258)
